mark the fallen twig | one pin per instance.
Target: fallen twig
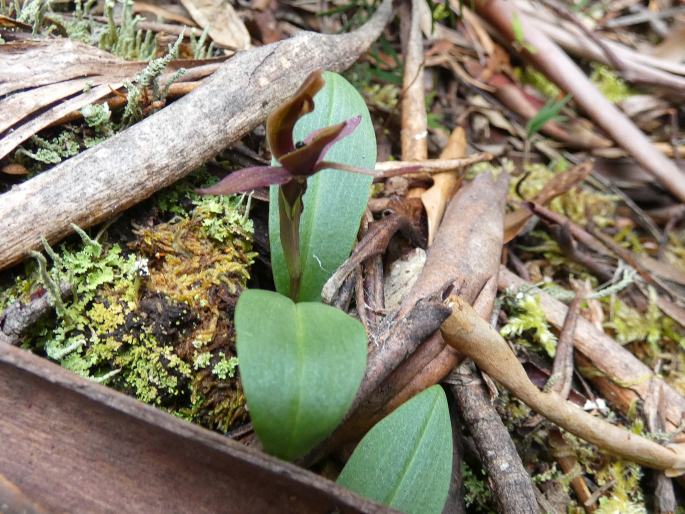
(468, 333)
(624, 379)
(510, 482)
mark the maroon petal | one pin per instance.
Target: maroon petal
(281, 122)
(248, 179)
(303, 161)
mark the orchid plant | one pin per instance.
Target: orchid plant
(301, 362)
(298, 161)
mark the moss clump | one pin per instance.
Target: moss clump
(527, 322)
(155, 322)
(575, 204)
(613, 87)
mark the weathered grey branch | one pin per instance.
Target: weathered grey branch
(129, 167)
(508, 478)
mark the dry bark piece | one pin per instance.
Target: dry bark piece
(225, 26)
(470, 263)
(124, 456)
(127, 168)
(559, 68)
(46, 81)
(18, 317)
(470, 334)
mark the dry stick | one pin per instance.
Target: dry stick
(129, 167)
(643, 68)
(18, 317)
(508, 478)
(625, 379)
(559, 68)
(470, 334)
(562, 371)
(664, 495)
(566, 456)
(414, 133)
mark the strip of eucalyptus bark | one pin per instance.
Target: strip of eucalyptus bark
(129, 167)
(510, 482)
(622, 378)
(468, 333)
(561, 70)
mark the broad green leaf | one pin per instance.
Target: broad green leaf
(300, 366)
(405, 461)
(335, 200)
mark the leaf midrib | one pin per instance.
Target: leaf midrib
(414, 453)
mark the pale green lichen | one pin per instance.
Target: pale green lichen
(126, 40)
(53, 150)
(149, 78)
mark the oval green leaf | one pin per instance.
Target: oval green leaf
(300, 366)
(405, 461)
(335, 200)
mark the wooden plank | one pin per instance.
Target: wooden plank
(72, 445)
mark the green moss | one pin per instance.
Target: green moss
(610, 84)
(652, 327)
(155, 322)
(539, 81)
(575, 204)
(626, 496)
(527, 322)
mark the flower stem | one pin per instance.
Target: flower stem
(290, 211)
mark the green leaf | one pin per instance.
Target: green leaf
(300, 366)
(548, 112)
(405, 461)
(335, 200)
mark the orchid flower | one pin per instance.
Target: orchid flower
(298, 161)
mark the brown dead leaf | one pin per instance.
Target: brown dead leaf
(444, 186)
(225, 26)
(673, 47)
(162, 12)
